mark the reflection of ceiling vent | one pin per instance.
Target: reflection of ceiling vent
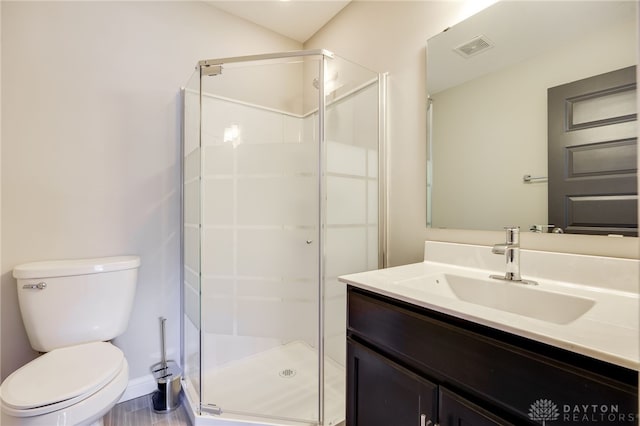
(474, 46)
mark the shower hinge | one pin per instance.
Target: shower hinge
(211, 409)
(210, 70)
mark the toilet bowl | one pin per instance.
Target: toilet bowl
(69, 309)
(77, 385)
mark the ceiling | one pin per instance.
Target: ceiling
(296, 19)
(518, 31)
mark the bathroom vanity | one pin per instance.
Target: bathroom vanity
(424, 349)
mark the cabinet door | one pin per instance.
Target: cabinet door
(457, 411)
(382, 393)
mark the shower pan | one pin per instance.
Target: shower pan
(282, 192)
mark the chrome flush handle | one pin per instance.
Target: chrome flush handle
(40, 286)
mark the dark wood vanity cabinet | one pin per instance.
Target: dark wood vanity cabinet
(408, 365)
(382, 392)
(385, 393)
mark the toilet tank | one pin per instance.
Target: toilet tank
(68, 302)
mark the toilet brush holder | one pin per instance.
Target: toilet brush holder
(168, 376)
(167, 396)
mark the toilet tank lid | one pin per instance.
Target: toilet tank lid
(65, 268)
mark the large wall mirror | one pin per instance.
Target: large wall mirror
(487, 81)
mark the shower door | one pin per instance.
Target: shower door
(280, 198)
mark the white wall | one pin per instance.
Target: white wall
(90, 146)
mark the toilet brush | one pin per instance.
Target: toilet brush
(167, 374)
(163, 342)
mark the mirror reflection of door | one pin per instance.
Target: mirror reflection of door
(592, 149)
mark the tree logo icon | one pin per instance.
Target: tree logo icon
(543, 410)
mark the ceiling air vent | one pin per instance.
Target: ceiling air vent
(474, 46)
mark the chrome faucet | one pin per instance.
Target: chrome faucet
(511, 250)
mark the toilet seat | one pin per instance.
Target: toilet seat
(61, 378)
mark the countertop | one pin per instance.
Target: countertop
(608, 331)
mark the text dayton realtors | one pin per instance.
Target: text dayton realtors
(595, 413)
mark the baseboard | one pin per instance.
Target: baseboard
(139, 387)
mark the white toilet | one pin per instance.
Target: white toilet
(70, 310)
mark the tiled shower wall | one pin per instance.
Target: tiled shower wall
(352, 204)
(259, 204)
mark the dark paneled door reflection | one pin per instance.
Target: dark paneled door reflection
(592, 148)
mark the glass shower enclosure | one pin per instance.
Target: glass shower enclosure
(282, 193)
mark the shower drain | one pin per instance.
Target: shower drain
(287, 373)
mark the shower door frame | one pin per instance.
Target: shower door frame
(212, 67)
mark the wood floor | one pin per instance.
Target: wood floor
(139, 412)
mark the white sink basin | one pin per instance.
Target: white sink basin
(585, 304)
(526, 300)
